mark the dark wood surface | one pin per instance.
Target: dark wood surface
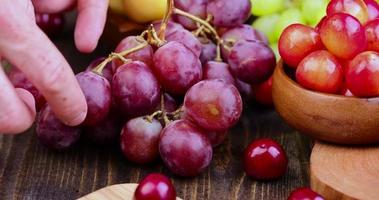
(30, 171)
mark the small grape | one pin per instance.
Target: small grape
(194, 7)
(187, 39)
(171, 26)
(355, 8)
(228, 13)
(218, 70)
(208, 50)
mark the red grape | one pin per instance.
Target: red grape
(140, 139)
(252, 61)
(242, 32)
(184, 148)
(194, 7)
(265, 159)
(296, 42)
(372, 34)
(213, 105)
(356, 8)
(97, 92)
(135, 89)
(187, 39)
(51, 24)
(304, 194)
(177, 68)
(52, 133)
(373, 9)
(228, 13)
(107, 71)
(343, 35)
(106, 132)
(144, 55)
(362, 75)
(155, 187)
(19, 80)
(208, 50)
(245, 89)
(171, 26)
(263, 92)
(320, 71)
(218, 70)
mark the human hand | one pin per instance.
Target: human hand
(24, 45)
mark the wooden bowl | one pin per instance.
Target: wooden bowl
(332, 118)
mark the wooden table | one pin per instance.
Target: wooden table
(30, 171)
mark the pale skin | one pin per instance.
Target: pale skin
(24, 45)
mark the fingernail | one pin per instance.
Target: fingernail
(78, 119)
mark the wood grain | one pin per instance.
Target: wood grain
(30, 171)
(345, 173)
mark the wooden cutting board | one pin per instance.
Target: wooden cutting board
(114, 192)
(344, 173)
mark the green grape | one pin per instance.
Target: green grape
(266, 7)
(275, 49)
(313, 11)
(288, 17)
(266, 25)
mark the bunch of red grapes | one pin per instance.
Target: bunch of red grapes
(172, 92)
(340, 55)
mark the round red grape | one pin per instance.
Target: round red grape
(362, 75)
(372, 34)
(218, 70)
(97, 92)
(245, 89)
(140, 139)
(52, 133)
(373, 9)
(356, 8)
(213, 105)
(208, 50)
(296, 42)
(187, 39)
(155, 187)
(343, 35)
(135, 89)
(228, 13)
(51, 24)
(177, 68)
(194, 7)
(252, 61)
(171, 26)
(184, 148)
(106, 132)
(263, 92)
(144, 55)
(304, 194)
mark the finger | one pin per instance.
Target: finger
(15, 115)
(48, 6)
(90, 23)
(27, 47)
(28, 99)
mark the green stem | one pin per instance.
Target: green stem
(162, 31)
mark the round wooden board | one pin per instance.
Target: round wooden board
(114, 192)
(344, 173)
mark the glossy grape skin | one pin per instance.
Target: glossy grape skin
(140, 139)
(51, 24)
(213, 105)
(52, 133)
(194, 7)
(184, 148)
(296, 42)
(304, 194)
(135, 89)
(252, 61)
(106, 132)
(362, 75)
(107, 71)
(155, 187)
(144, 55)
(373, 9)
(218, 70)
(343, 36)
(372, 34)
(242, 32)
(265, 159)
(97, 92)
(171, 26)
(216, 138)
(320, 71)
(176, 75)
(245, 89)
(19, 80)
(356, 8)
(263, 92)
(228, 13)
(187, 39)
(208, 50)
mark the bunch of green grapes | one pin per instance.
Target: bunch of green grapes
(273, 16)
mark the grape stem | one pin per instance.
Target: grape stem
(176, 114)
(164, 114)
(152, 116)
(162, 31)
